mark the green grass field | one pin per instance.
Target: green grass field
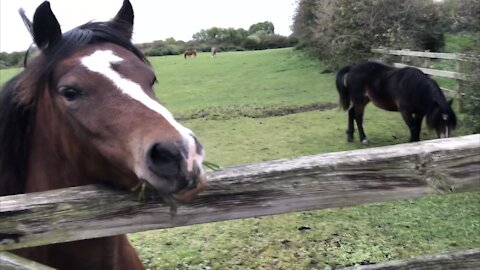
(228, 102)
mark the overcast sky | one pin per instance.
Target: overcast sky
(154, 20)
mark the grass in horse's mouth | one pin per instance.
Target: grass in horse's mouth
(212, 166)
(143, 189)
(144, 195)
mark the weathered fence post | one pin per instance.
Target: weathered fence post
(460, 93)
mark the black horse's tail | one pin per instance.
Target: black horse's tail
(342, 87)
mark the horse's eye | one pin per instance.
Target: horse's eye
(153, 81)
(70, 94)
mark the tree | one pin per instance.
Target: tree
(14, 59)
(461, 15)
(265, 27)
(260, 36)
(218, 35)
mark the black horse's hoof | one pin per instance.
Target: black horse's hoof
(349, 136)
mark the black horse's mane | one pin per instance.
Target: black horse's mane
(17, 114)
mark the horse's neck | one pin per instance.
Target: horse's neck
(100, 253)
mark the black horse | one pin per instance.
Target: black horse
(407, 90)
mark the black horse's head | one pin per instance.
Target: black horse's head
(442, 118)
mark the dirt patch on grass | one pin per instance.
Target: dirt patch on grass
(253, 111)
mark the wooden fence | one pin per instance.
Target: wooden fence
(458, 74)
(348, 178)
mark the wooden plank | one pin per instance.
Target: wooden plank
(437, 72)
(10, 261)
(312, 182)
(447, 56)
(463, 260)
(450, 92)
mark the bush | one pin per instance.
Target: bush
(432, 39)
(343, 31)
(9, 60)
(274, 42)
(471, 106)
(461, 15)
(161, 48)
(252, 42)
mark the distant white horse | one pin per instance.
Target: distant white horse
(214, 52)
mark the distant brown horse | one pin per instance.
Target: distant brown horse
(84, 112)
(214, 52)
(190, 53)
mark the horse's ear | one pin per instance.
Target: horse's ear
(46, 29)
(450, 102)
(123, 21)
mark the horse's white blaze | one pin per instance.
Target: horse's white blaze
(100, 62)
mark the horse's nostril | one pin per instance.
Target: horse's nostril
(164, 159)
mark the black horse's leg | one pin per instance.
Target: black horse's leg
(417, 127)
(350, 128)
(359, 110)
(414, 123)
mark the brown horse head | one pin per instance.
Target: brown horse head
(110, 123)
(98, 109)
(89, 114)
(83, 112)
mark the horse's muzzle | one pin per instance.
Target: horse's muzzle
(190, 193)
(177, 169)
(444, 133)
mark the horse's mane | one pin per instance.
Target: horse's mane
(14, 131)
(18, 96)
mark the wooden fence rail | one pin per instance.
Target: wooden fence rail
(436, 55)
(313, 182)
(437, 72)
(463, 260)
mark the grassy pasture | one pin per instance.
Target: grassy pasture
(218, 92)
(228, 102)
(6, 74)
